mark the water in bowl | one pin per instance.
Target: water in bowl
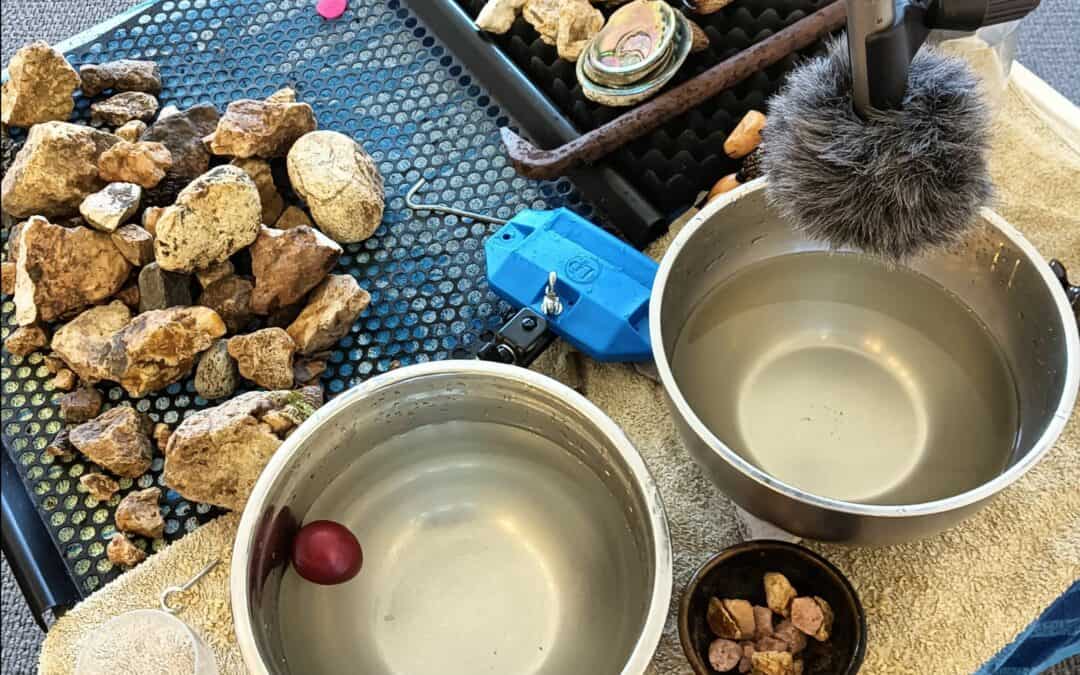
(487, 549)
(850, 379)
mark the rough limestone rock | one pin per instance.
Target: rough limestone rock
(251, 128)
(110, 207)
(81, 405)
(497, 16)
(331, 311)
(121, 551)
(182, 134)
(122, 108)
(131, 131)
(543, 15)
(65, 380)
(150, 216)
(116, 440)
(209, 275)
(269, 197)
(310, 255)
(142, 162)
(340, 183)
(135, 244)
(26, 340)
(84, 342)
(39, 87)
(231, 299)
(100, 486)
(162, 432)
(215, 455)
(579, 21)
(292, 216)
(159, 289)
(160, 347)
(122, 75)
(307, 371)
(138, 512)
(61, 270)
(265, 357)
(7, 278)
(216, 376)
(55, 170)
(60, 445)
(214, 217)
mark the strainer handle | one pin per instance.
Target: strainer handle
(1072, 292)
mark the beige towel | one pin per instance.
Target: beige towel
(940, 606)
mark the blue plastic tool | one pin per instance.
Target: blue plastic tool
(592, 288)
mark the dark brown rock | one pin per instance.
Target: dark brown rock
(39, 87)
(139, 512)
(100, 486)
(26, 340)
(142, 162)
(268, 128)
(124, 107)
(265, 357)
(121, 75)
(331, 311)
(61, 270)
(159, 289)
(55, 170)
(306, 371)
(182, 134)
(135, 244)
(116, 441)
(216, 376)
(111, 207)
(310, 256)
(81, 405)
(121, 551)
(217, 272)
(231, 299)
(215, 455)
(129, 295)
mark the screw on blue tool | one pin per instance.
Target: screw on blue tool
(592, 288)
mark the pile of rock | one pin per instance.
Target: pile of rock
(163, 248)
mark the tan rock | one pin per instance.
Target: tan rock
(135, 244)
(331, 311)
(131, 131)
(100, 486)
(61, 270)
(779, 593)
(162, 433)
(579, 21)
(26, 340)
(251, 128)
(39, 87)
(7, 278)
(53, 363)
(215, 455)
(150, 217)
(231, 299)
(543, 15)
(292, 216)
(115, 440)
(112, 206)
(64, 380)
(216, 272)
(60, 445)
(310, 255)
(84, 342)
(497, 16)
(160, 347)
(121, 75)
(340, 183)
(81, 405)
(139, 512)
(121, 551)
(123, 107)
(216, 376)
(269, 197)
(214, 217)
(55, 170)
(265, 357)
(141, 162)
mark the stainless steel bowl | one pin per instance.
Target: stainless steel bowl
(508, 526)
(995, 274)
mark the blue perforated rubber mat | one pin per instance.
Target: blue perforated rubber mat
(377, 75)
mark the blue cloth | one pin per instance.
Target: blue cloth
(1050, 639)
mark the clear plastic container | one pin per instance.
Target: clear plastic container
(990, 51)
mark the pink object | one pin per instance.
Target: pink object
(327, 553)
(331, 9)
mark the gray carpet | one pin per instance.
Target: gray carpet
(1048, 46)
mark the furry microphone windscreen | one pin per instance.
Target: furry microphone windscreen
(892, 184)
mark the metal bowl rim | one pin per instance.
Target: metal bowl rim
(656, 616)
(1041, 446)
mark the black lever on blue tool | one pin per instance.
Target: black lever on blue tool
(587, 286)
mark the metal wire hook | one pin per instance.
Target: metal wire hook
(443, 208)
(165, 607)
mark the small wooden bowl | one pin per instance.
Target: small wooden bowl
(737, 572)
